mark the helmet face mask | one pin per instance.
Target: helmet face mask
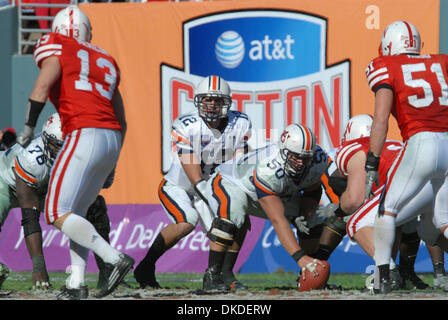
(73, 23)
(400, 37)
(212, 107)
(296, 165)
(297, 149)
(212, 98)
(52, 138)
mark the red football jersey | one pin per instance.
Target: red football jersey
(420, 90)
(83, 95)
(350, 148)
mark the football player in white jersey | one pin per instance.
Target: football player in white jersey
(24, 174)
(203, 139)
(275, 182)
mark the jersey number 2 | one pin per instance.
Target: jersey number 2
(83, 82)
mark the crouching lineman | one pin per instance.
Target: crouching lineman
(279, 180)
(23, 183)
(26, 172)
(204, 138)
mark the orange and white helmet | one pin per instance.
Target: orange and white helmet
(297, 142)
(358, 127)
(73, 23)
(52, 138)
(213, 88)
(400, 37)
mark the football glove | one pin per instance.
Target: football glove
(25, 137)
(327, 211)
(200, 188)
(372, 175)
(302, 225)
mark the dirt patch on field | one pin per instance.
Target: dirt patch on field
(270, 294)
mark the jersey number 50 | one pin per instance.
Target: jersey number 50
(109, 78)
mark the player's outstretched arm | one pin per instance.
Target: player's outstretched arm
(274, 209)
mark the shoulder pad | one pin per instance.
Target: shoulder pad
(377, 73)
(49, 44)
(30, 164)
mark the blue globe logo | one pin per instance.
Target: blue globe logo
(229, 49)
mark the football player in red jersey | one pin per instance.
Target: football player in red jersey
(413, 88)
(81, 81)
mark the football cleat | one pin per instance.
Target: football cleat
(121, 268)
(103, 276)
(395, 278)
(238, 286)
(213, 280)
(385, 287)
(410, 280)
(145, 275)
(4, 273)
(73, 294)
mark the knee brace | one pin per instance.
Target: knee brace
(30, 221)
(222, 232)
(337, 225)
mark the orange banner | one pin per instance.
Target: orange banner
(152, 43)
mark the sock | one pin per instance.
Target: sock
(384, 236)
(384, 271)
(407, 262)
(228, 264)
(78, 257)
(216, 258)
(157, 249)
(84, 234)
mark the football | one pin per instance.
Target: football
(307, 281)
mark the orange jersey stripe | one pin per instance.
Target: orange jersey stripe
(172, 209)
(217, 191)
(179, 138)
(329, 190)
(260, 186)
(308, 138)
(23, 174)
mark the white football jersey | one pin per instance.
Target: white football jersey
(261, 171)
(192, 135)
(28, 163)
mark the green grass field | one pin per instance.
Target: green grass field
(21, 281)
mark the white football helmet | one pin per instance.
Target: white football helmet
(400, 37)
(358, 127)
(52, 138)
(297, 147)
(212, 98)
(73, 23)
